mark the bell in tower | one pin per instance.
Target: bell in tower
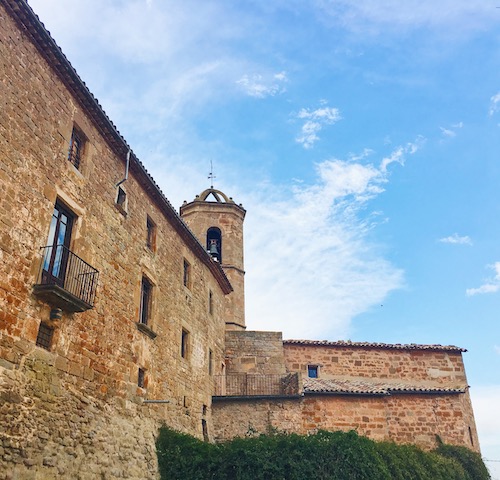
(217, 222)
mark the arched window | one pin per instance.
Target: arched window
(214, 243)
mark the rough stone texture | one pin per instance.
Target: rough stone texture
(76, 411)
(254, 352)
(426, 366)
(415, 419)
(400, 417)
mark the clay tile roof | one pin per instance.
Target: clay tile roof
(361, 387)
(372, 345)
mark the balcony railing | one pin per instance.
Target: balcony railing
(255, 385)
(66, 281)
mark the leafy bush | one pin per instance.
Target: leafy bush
(324, 456)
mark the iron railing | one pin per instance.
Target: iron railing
(62, 268)
(248, 385)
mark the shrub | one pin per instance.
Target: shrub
(324, 456)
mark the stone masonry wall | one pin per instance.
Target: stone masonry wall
(78, 408)
(432, 367)
(254, 352)
(415, 419)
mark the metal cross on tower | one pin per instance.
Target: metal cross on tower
(211, 175)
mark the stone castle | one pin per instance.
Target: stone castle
(119, 315)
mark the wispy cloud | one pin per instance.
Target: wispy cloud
(398, 154)
(373, 16)
(491, 285)
(314, 122)
(451, 131)
(456, 239)
(309, 250)
(260, 86)
(497, 349)
(494, 104)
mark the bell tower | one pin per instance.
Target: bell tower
(217, 222)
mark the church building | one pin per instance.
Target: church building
(118, 314)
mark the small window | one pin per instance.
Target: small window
(184, 344)
(210, 302)
(210, 362)
(44, 337)
(141, 378)
(76, 145)
(312, 371)
(187, 274)
(145, 307)
(121, 199)
(150, 234)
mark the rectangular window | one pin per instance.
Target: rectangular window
(312, 371)
(150, 234)
(187, 274)
(44, 338)
(184, 344)
(210, 362)
(210, 302)
(121, 198)
(76, 147)
(146, 294)
(141, 378)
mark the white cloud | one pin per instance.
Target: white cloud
(370, 17)
(497, 349)
(398, 154)
(259, 86)
(494, 104)
(485, 400)
(451, 131)
(315, 120)
(308, 255)
(456, 239)
(491, 285)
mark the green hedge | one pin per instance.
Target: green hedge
(324, 456)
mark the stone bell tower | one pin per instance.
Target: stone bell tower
(217, 222)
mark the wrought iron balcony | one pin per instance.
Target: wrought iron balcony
(255, 385)
(66, 281)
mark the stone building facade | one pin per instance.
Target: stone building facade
(118, 315)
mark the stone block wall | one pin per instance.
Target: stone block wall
(437, 367)
(254, 352)
(415, 419)
(80, 402)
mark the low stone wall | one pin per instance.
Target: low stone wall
(402, 418)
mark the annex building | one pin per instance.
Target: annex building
(118, 314)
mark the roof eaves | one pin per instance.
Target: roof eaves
(31, 25)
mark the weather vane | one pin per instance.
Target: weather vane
(211, 175)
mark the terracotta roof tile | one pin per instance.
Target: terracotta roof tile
(385, 346)
(361, 387)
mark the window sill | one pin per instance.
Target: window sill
(146, 330)
(121, 209)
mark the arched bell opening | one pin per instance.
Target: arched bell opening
(214, 243)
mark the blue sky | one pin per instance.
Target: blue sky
(363, 138)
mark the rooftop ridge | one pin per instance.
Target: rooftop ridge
(385, 346)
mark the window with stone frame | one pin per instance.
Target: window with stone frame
(141, 378)
(210, 302)
(312, 371)
(186, 276)
(45, 335)
(76, 147)
(150, 234)
(185, 344)
(146, 301)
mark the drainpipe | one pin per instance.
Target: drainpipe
(126, 170)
